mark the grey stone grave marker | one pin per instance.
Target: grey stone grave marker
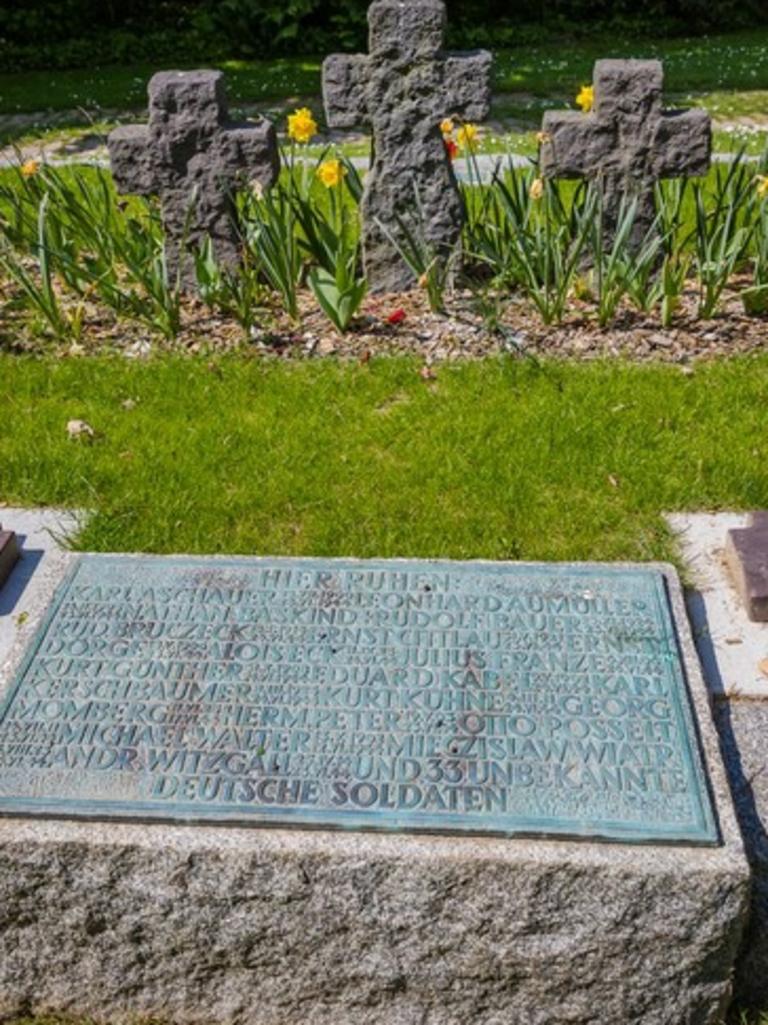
(9, 553)
(402, 90)
(628, 142)
(353, 707)
(192, 157)
(223, 689)
(746, 553)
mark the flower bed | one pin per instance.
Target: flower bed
(82, 269)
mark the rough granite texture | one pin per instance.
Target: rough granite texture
(627, 143)
(743, 729)
(401, 91)
(192, 157)
(276, 927)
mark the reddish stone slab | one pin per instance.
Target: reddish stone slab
(746, 553)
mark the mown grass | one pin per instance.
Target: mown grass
(498, 459)
(725, 62)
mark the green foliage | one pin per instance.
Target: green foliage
(73, 33)
(674, 273)
(724, 230)
(271, 235)
(239, 294)
(39, 289)
(332, 240)
(91, 243)
(67, 243)
(534, 244)
(614, 264)
(339, 295)
(549, 66)
(542, 246)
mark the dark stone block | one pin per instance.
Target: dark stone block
(9, 554)
(746, 553)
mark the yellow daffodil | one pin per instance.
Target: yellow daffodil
(257, 189)
(543, 137)
(536, 190)
(586, 98)
(302, 126)
(467, 136)
(762, 186)
(30, 168)
(446, 126)
(330, 173)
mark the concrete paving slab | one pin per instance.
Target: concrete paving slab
(730, 646)
(43, 536)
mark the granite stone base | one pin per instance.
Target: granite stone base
(199, 925)
(743, 728)
(196, 924)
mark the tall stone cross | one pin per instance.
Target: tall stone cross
(192, 157)
(627, 143)
(401, 90)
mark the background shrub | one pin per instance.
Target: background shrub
(72, 33)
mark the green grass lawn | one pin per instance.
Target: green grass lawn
(738, 61)
(726, 74)
(498, 459)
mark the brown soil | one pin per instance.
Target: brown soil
(403, 324)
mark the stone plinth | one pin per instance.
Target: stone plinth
(273, 926)
(263, 927)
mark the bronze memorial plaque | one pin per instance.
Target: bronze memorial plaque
(496, 698)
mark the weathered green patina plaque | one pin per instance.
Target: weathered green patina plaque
(427, 696)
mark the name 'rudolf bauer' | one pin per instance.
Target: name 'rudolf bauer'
(420, 609)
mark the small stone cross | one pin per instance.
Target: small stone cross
(401, 91)
(746, 555)
(192, 157)
(627, 143)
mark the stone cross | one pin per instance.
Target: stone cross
(746, 555)
(627, 143)
(401, 90)
(192, 157)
